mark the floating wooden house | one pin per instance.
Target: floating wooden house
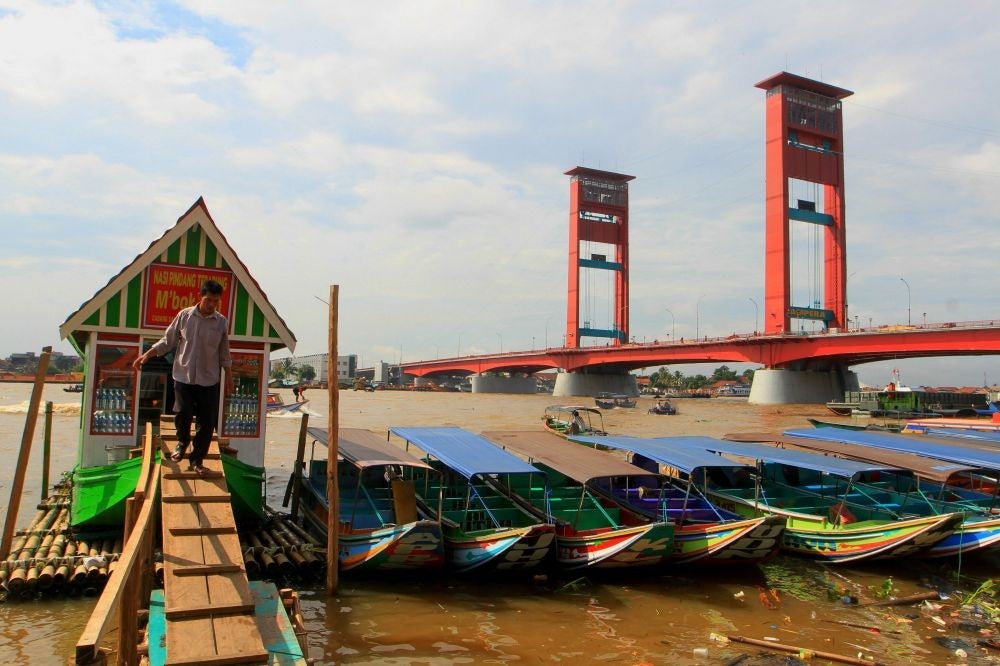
(127, 316)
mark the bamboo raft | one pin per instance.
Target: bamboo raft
(47, 557)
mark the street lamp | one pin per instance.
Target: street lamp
(458, 352)
(501, 341)
(925, 319)
(547, 331)
(437, 351)
(756, 315)
(673, 325)
(697, 328)
(907, 300)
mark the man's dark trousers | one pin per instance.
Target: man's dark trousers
(192, 400)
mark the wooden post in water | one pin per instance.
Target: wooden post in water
(300, 454)
(333, 440)
(46, 449)
(17, 485)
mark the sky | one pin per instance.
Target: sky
(413, 153)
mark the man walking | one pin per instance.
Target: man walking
(199, 336)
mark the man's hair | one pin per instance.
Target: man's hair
(211, 287)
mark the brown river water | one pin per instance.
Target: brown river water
(642, 617)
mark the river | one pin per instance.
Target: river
(641, 618)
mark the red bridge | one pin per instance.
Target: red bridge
(804, 153)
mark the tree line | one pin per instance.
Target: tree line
(664, 378)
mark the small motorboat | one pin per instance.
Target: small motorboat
(275, 404)
(605, 401)
(74, 388)
(663, 407)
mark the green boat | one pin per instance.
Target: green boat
(829, 513)
(99, 493)
(592, 531)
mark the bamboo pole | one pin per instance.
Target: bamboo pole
(300, 454)
(831, 656)
(17, 485)
(333, 434)
(46, 449)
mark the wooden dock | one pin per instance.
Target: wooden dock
(208, 605)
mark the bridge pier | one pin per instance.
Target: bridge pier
(502, 384)
(581, 384)
(785, 386)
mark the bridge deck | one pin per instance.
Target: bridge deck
(209, 608)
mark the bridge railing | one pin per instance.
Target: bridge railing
(130, 578)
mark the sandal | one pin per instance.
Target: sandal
(201, 470)
(178, 453)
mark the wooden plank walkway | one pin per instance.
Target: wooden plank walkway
(209, 608)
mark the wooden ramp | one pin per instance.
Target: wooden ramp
(208, 606)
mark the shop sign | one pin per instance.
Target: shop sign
(171, 288)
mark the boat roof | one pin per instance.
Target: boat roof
(575, 461)
(972, 436)
(921, 445)
(686, 459)
(363, 448)
(932, 469)
(769, 454)
(570, 408)
(464, 452)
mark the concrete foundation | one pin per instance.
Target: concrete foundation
(420, 382)
(502, 384)
(783, 387)
(576, 383)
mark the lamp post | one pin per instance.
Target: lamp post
(501, 341)
(673, 325)
(458, 352)
(547, 331)
(697, 326)
(756, 315)
(925, 320)
(437, 351)
(907, 300)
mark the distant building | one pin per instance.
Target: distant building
(347, 366)
(29, 360)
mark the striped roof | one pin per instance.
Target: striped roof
(197, 242)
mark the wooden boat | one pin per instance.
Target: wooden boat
(968, 451)
(978, 428)
(591, 530)
(604, 401)
(703, 532)
(484, 528)
(663, 407)
(826, 517)
(275, 404)
(573, 419)
(73, 388)
(380, 527)
(944, 487)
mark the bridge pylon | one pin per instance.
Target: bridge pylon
(804, 142)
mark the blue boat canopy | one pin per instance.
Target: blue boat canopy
(684, 458)
(769, 454)
(465, 452)
(919, 444)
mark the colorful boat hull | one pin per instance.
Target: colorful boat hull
(975, 534)
(752, 540)
(815, 537)
(512, 550)
(416, 545)
(644, 545)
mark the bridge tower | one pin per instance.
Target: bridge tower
(598, 213)
(805, 141)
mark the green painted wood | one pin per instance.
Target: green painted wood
(277, 632)
(240, 313)
(174, 252)
(258, 322)
(133, 302)
(193, 249)
(225, 265)
(94, 319)
(113, 311)
(211, 254)
(271, 333)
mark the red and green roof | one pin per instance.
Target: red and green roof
(195, 241)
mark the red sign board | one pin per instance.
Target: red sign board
(171, 288)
